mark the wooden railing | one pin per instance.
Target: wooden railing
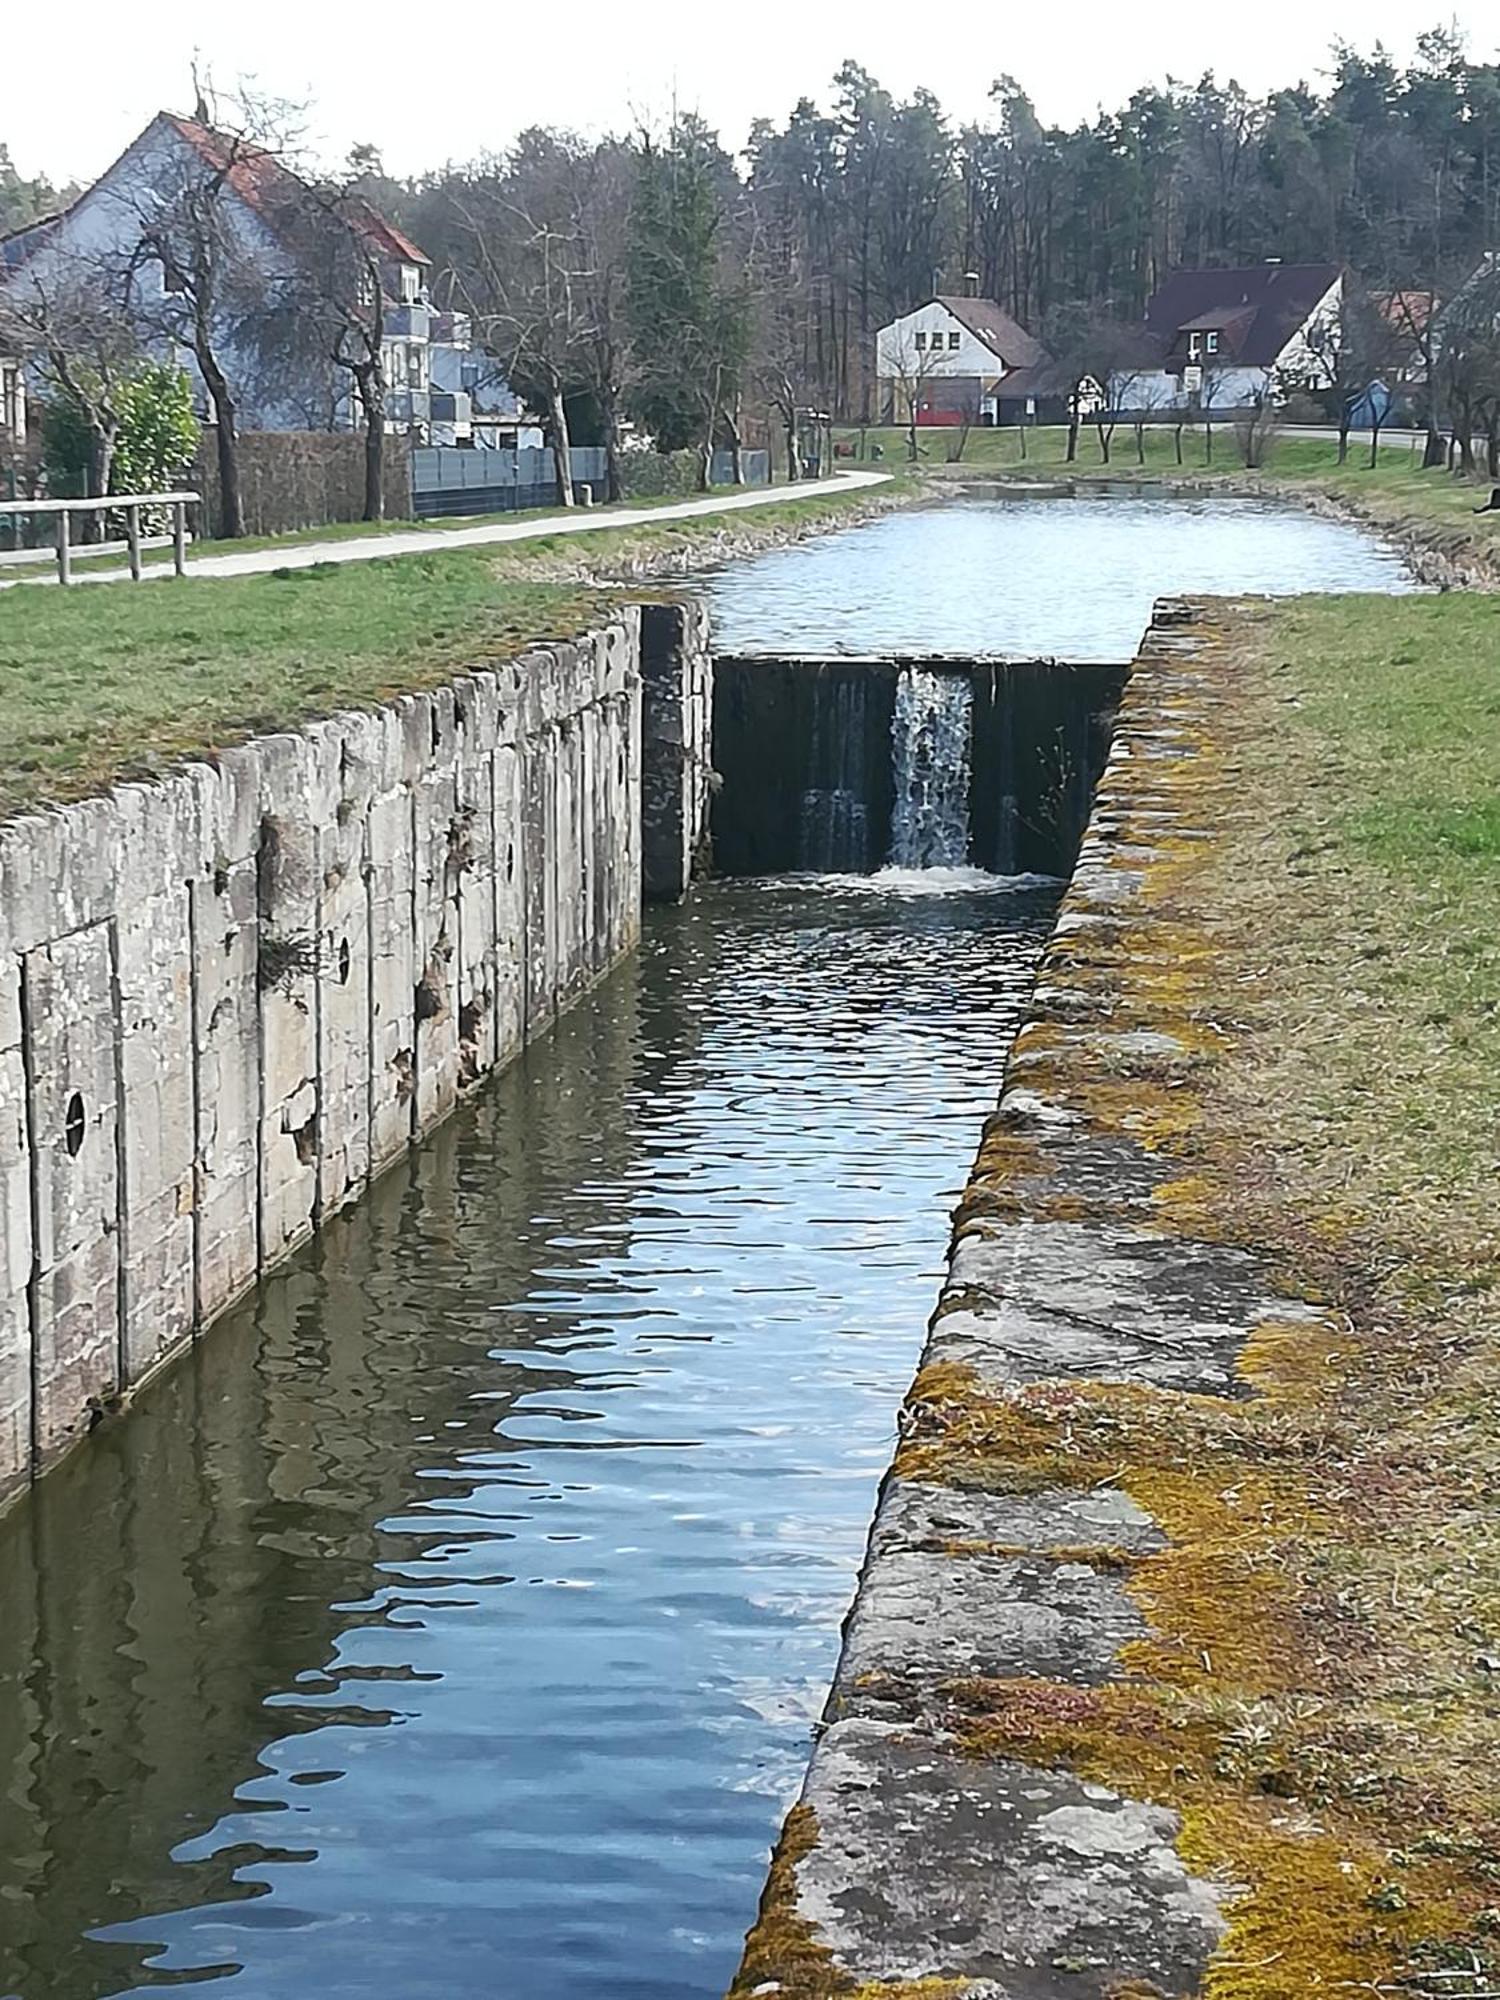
(128, 504)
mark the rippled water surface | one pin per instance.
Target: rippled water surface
(450, 1623)
(1068, 578)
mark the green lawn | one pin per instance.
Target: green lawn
(1367, 870)
(102, 683)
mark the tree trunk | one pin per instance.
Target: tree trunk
(97, 477)
(1435, 451)
(1492, 444)
(1374, 444)
(793, 463)
(1072, 452)
(562, 444)
(736, 447)
(1140, 444)
(1343, 438)
(1177, 440)
(369, 385)
(609, 422)
(231, 524)
(1208, 439)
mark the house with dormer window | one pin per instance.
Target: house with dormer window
(1235, 339)
(948, 361)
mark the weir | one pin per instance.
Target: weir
(847, 765)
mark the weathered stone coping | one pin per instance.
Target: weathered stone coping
(930, 1855)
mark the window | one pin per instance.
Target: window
(414, 366)
(922, 343)
(954, 340)
(411, 284)
(1211, 345)
(1195, 346)
(10, 400)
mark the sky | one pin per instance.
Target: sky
(468, 77)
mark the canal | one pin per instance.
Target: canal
(452, 1620)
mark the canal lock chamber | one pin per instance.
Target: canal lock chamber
(844, 765)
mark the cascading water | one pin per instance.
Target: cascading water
(931, 730)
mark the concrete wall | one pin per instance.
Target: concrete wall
(228, 999)
(677, 691)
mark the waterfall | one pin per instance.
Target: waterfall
(931, 727)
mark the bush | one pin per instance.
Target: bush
(154, 449)
(158, 431)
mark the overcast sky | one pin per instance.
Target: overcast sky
(467, 76)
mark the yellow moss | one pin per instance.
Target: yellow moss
(782, 1947)
(1298, 1361)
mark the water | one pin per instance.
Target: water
(1071, 578)
(931, 727)
(450, 1623)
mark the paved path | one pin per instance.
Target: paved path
(413, 541)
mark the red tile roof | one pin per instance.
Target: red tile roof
(262, 182)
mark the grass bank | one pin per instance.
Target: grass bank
(1434, 508)
(1350, 1125)
(109, 682)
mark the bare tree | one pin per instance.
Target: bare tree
(341, 249)
(911, 358)
(73, 319)
(521, 268)
(190, 227)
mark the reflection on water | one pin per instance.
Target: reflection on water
(451, 1622)
(1071, 577)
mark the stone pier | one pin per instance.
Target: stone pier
(952, 1839)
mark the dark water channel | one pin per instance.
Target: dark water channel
(451, 1622)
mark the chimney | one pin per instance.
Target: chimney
(971, 284)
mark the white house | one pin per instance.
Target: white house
(948, 360)
(300, 389)
(1231, 340)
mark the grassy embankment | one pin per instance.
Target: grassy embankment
(109, 682)
(1395, 494)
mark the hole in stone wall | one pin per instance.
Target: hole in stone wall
(510, 862)
(344, 956)
(305, 1139)
(437, 734)
(74, 1124)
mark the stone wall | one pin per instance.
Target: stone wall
(229, 999)
(677, 694)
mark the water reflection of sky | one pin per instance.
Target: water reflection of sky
(508, 1572)
(1069, 578)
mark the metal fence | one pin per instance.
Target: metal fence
(446, 480)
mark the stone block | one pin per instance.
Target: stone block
(70, 1028)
